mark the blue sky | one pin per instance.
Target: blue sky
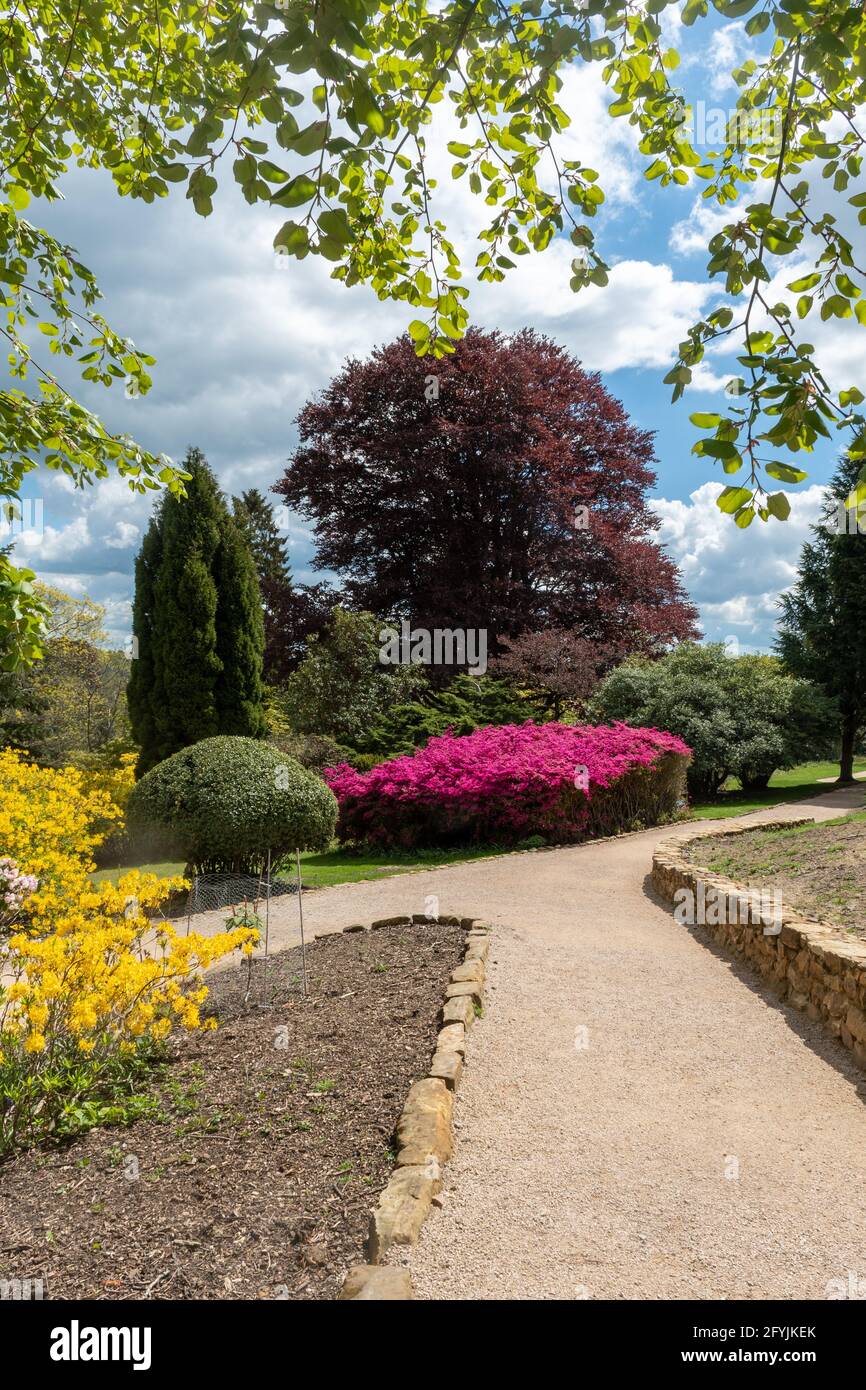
(242, 338)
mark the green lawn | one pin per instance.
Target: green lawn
(797, 784)
(337, 865)
(161, 870)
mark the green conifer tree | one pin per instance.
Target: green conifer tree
(197, 625)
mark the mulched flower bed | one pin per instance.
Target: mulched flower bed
(268, 1145)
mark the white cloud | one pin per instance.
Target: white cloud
(125, 534)
(735, 576)
(729, 48)
(691, 234)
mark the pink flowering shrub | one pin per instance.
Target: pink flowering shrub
(500, 785)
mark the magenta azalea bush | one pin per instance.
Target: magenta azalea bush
(501, 785)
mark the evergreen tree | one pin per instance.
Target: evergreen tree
(255, 517)
(197, 625)
(240, 636)
(285, 609)
(822, 635)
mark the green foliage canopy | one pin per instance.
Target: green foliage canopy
(466, 704)
(341, 687)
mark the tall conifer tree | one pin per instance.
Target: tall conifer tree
(197, 625)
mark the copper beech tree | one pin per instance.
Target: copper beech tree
(502, 488)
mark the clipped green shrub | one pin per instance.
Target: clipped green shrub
(223, 803)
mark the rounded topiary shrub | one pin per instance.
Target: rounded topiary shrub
(223, 803)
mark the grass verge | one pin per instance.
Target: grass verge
(819, 870)
(338, 865)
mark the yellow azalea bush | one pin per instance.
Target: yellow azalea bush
(89, 982)
(117, 779)
(47, 825)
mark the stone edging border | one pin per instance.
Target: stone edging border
(424, 1130)
(810, 965)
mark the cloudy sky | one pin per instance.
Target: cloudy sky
(243, 337)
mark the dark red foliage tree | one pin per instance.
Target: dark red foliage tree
(500, 488)
(557, 668)
(293, 612)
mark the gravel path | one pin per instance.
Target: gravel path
(638, 1118)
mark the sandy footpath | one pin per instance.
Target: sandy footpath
(638, 1117)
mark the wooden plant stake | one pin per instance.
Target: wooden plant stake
(301, 915)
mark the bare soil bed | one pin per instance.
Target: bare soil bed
(820, 869)
(268, 1144)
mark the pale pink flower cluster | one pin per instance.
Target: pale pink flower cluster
(15, 888)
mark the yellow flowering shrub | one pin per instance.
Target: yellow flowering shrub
(116, 780)
(88, 981)
(47, 821)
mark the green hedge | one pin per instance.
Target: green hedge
(223, 803)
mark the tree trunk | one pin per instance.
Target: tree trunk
(758, 783)
(846, 762)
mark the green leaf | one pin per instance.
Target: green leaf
(335, 224)
(330, 249)
(785, 473)
(292, 237)
(695, 9)
(704, 421)
(311, 139)
(299, 191)
(730, 499)
(758, 23)
(272, 172)
(806, 282)
(719, 449)
(779, 506)
(367, 112)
